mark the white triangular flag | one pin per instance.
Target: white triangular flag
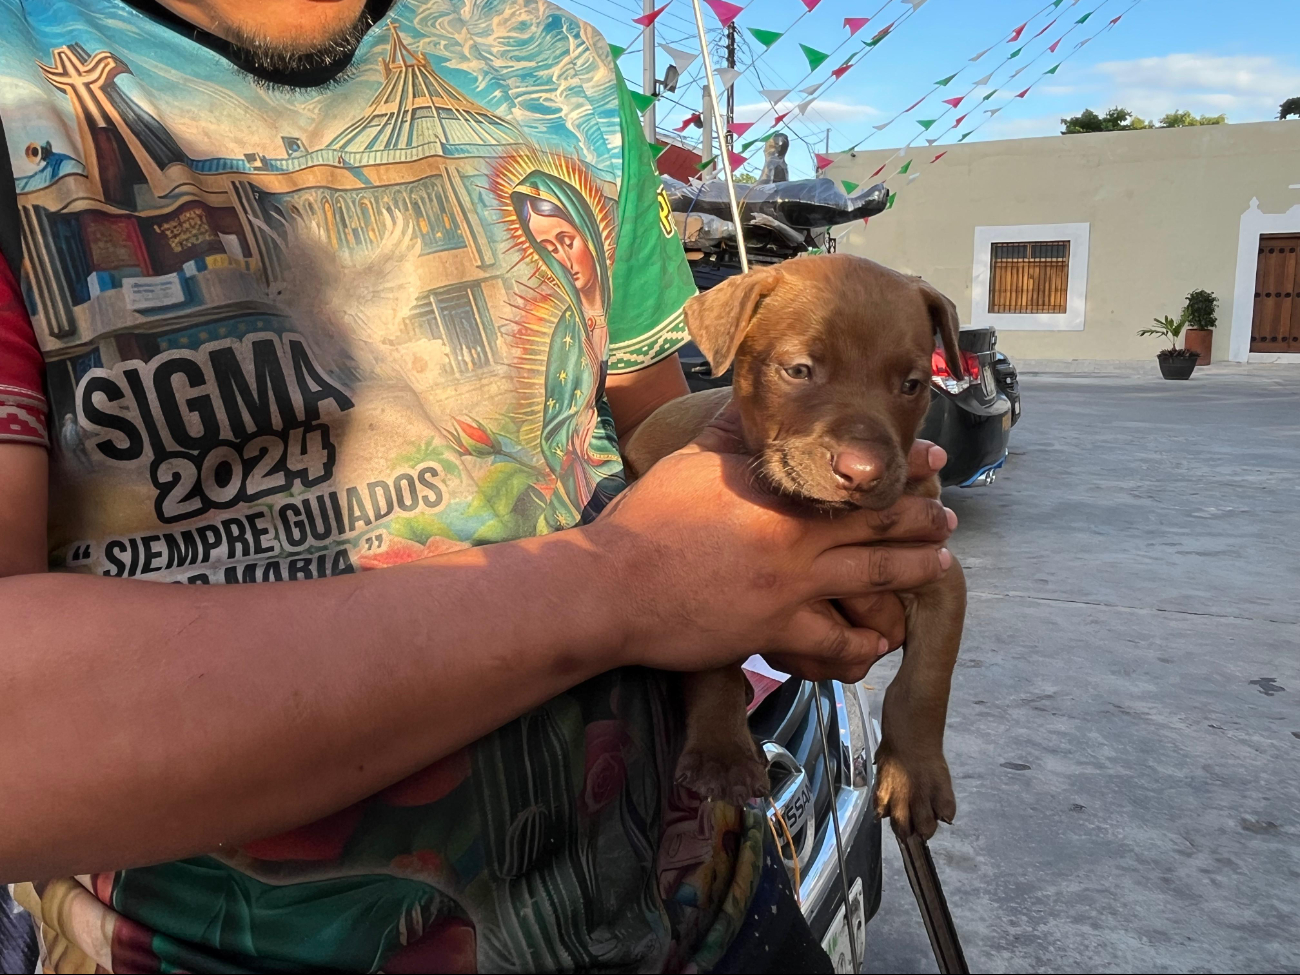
(1017, 71)
(994, 111)
(881, 127)
(916, 4)
(981, 54)
(812, 89)
(930, 142)
(985, 80)
(728, 76)
(683, 59)
(913, 176)
(803, 105)
(901, 152)
(774, 95)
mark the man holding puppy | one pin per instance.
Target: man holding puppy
(306, 287)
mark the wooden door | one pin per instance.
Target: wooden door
(1276, 326)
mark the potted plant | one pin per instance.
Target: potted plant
(1175, 363)
(1201, 320)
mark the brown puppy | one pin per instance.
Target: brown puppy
(832, 381)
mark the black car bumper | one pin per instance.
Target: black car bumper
(975, 437)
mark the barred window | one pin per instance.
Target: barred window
(1029, 277)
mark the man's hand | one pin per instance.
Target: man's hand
(734, 571)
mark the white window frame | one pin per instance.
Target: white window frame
(1253, 225)
(1076, 289)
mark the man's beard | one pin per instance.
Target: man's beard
(262, 54)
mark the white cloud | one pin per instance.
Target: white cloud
(831, 111)
(1020, 128)
(1246, 87)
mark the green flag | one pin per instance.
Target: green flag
(990, 94)
(641, 101)
(616, 52)
(964, 134)
(925, 123)
(849, 187)
(1015, 53)
(1057, 3)
(707, 163)
(815, 57)
(904, 168)
(765, 37)
(942, 82)
(1052, 69)
(1085, 16)
(892, 197)
(656, 150)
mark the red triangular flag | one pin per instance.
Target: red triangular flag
(1115, 21)
(645, 20)
(689, 120)
(1024, 93)
(840, 71)
(1055, 43)
(810, 4)
(913, 105)
(954, 102)
(823, 162)
(940, 156)
(725, 12)
(1045, 29)
(855, 24)
(736, 160)
(781, 118)
(866, 220)
(740, 128)
(878, 172)
(1015, 34)
(960, 120)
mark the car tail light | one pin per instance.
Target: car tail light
(942, 376)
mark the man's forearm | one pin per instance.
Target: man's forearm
(154, 721)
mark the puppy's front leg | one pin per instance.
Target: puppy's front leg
(719, 759)
(913, 787)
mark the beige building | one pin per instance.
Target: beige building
(1070, 244)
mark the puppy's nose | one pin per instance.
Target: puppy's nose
(856, 469)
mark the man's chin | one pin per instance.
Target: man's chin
(293, 35)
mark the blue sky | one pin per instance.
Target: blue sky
(1238, 58)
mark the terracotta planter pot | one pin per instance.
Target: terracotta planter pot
(1199, 340)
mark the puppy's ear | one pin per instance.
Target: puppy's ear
(719, 318)
(944, 320)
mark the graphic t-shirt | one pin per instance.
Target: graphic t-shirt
(288, 334)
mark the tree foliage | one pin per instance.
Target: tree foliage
(1115, 120)
(1289, 107)
(1177, 120)
(1122, 120)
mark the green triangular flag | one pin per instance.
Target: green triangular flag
(925, 123)
(815, 57)
(874, 41)
(904, 168)
(707, 163)
(1057, 3)
(849, 187)
(964, 134)
(1052, 69)
(1015, 53)
(1085, 16)
(616, 52)
(765, 37)
(656, 150)
(744, 146)
(641, 100)
(990, 94)
(892, 197)
(942, 82)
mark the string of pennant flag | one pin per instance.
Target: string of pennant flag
(905, 169)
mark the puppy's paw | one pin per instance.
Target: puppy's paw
(732, 771)
(914, 790)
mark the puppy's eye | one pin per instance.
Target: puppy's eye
(799, 370)
(911, 387)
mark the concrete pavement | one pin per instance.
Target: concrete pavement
(1125, 722)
